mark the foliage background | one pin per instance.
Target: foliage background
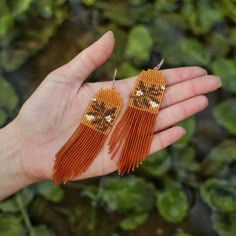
(187, 189)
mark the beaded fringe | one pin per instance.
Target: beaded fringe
(77, 154)
(135, 132)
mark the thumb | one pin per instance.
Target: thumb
(81, 66)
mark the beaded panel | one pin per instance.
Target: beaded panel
(148, 91)
(102, 110)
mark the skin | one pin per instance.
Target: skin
(49, 117)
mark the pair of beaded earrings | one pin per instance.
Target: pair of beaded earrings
(133, 133)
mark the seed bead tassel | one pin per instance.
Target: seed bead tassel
(78, 153)
(134, 132)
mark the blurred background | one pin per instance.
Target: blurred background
(187, 189)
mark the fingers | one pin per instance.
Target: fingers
(177, 75)
(190, 88)
(180, 111)
(165, 138)
(80, 67)
(173, 76)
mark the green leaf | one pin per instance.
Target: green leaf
(224, 224)
(9, 13)
(91, 192)
(182, 234)
(131, 222)
(38, 207)
(226, 70)
(189, 51)
(88, 2)
(46, 189)
(8, 98)
(3, 117)
(6, 23)
(11, 225)
(190, 127)
(227, 8)
(162, 5)
(42, 230)
(225, 114)
(157, 164)
(139, 43)
(172, 204)
(201, 16)
(12, 58)
(184, 161)
(25, 40)
(26, 196)
(219, 194)
(9, 205)
(232, 36)
(127, 70)
(166, 31)
(82, 219)
(137, 2)
(118, 14)
(126, 14)
(128, 194)
(21, 6)
(220, 157)
(45, 7)
(218, 45)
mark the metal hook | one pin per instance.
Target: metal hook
(160, 64)
(114, 78)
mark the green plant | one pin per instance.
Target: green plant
(184, 33)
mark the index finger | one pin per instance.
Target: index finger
(173, 76)
(177, 75)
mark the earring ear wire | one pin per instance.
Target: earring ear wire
(114, 78)
(160, 64)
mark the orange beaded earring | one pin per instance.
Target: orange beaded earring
(78, 153)
(134, 132)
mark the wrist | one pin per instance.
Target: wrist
(12, 175)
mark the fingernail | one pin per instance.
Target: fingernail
(206, 73)
(110, 32)
(199, 72)
(220, 83)
(184, 130)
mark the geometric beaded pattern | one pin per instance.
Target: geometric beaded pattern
(102, 110)
(148, 91)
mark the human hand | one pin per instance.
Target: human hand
(53, 112)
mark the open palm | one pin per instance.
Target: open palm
(53, 112)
